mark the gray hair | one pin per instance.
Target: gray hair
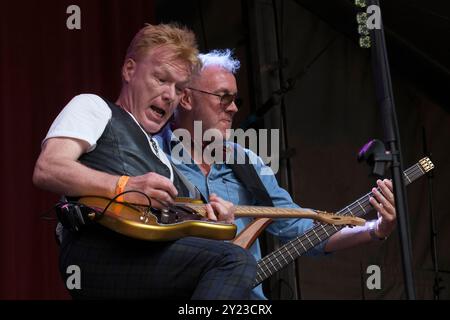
(222, 58)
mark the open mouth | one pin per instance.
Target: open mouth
(158, 111)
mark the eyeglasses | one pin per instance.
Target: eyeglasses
(225, 99)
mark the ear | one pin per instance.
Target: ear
(186, 99)
(128, 70)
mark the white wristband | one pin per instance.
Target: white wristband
(372, 233)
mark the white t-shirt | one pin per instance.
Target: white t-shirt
(85, 118)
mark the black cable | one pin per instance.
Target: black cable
(121, 194)
(46, 215)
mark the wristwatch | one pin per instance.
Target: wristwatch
(372, 233)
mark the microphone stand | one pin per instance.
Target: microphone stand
(385, 100)
(433, 230)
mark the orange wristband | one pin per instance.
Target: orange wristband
(120, 187)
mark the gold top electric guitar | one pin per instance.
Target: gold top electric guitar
(188, 219)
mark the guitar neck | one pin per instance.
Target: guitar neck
(257, 211)
(271, 212)
(295, 248)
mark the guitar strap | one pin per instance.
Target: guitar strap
(247, 175)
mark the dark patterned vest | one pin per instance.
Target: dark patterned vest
(123, 149)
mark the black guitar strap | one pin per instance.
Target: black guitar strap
(246, 173)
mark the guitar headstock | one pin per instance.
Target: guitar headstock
(426, 164)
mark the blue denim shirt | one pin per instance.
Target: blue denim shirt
(222, 181)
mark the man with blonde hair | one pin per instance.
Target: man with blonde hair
(99, 148)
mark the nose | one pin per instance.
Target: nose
(169, 94)
(232, 108)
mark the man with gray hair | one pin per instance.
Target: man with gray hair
(209, 103)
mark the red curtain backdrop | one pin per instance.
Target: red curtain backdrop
(43, 65)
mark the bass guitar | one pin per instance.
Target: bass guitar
(280, 258)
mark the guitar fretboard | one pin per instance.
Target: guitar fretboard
(255, 211)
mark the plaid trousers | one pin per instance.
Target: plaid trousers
(113, 266)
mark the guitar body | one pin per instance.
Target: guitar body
(156, 225)
(247, 237)
(188, 218)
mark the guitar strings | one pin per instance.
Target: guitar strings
(362, 203)
(262, 264)
(322, 231)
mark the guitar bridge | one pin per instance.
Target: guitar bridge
(146, 214)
